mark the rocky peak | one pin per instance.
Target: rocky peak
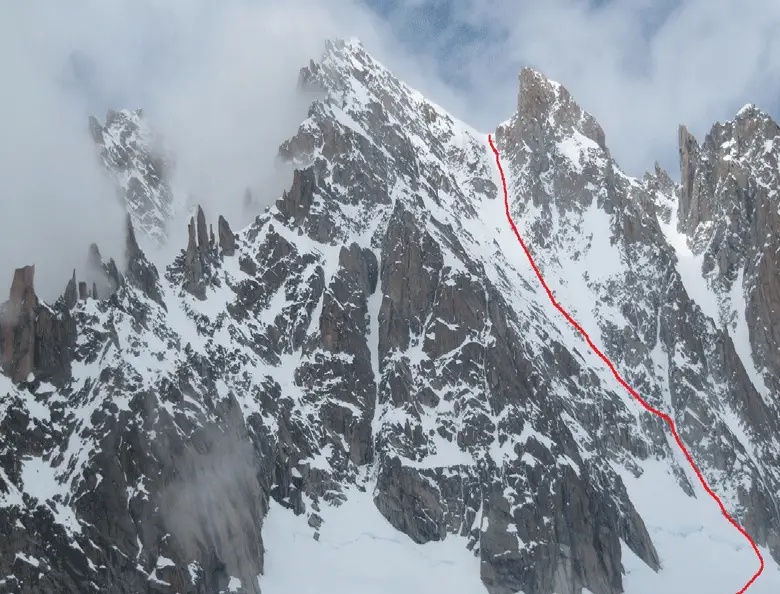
(198, 262)
(730, 152)
(103, 276)
(751, 135)
(560, 146)
(17, 320)
(140, 273)
(753, 120)
(22, 298)
(193, 262)
(94, 259)
(557, 154)
(227, 239)
(661, 178)
(729, 209)
(689, 156)
(543, 104)
(729, 185)
(132, 249)
(70, 297)
(203, 233)
(36, 339)
(130, 152)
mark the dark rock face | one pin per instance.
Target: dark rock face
(195, 268)
(376, 333)
(70, 296)
(36, 338)
(103, 276)
(580, 548)
(409, 281)
(140, 273)
(227, 239)
(344, 328)
(728, 207)
(193, 264)
(203, 236)
(18, 325)
(296, 203)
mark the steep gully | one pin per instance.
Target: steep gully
(620, 380)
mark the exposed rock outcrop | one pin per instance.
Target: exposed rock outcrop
(202, 231)
(36, 339)
(195, 269)
(141, 273)
(227, 239)
(193, 265)
(71, 296)
(296, 202)
(17, 322)
(729, 209)
(103, 276)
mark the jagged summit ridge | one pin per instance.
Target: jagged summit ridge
(730, 211)
(540, 99)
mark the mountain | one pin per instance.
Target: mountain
(130, 152)
(368, 390)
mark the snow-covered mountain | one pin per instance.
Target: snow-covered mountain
(367, 389)
(130, 152)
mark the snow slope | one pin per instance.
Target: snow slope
(358, 551)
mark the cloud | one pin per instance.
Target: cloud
(640, 66)
(54, 201)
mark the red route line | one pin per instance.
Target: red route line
(623, 382)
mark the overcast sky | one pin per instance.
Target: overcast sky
(217, 79)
